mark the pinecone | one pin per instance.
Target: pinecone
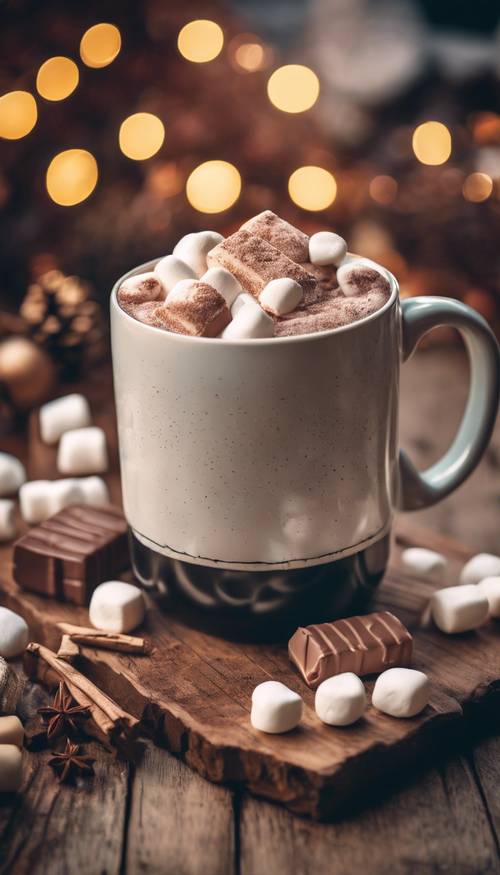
(64, 319)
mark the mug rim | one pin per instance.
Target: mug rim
(261, 341)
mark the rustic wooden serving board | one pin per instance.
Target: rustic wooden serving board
(193, 693)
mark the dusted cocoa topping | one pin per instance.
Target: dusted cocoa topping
(199, 310)
(289, 240)
(333, 311)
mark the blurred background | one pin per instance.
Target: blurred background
(124, 126)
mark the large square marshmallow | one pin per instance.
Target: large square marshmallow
(340, 700)
(116, 606)
(401, 692)
(426, 563)
(480, 566)
(14, 634)
(12, 474)
(275, 708)
(11, 768)
(490, 587)
(83, 451)
(459, 608)
(63, 414)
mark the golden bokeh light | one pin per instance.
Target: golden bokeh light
(141, 135)
(57, 78)
(383, 189)
(18, 114)
(477, 187)
(100, 45)
(200, 41)
(71, 177)
(213, 186)
(293, 88)
(312, 188)
(432, 143)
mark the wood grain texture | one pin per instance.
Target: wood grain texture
(179, 824)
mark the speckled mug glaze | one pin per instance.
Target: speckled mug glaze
(275, 455)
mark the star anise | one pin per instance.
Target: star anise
(64, 716)
(69, 763)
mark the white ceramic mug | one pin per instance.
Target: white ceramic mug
(266, 455)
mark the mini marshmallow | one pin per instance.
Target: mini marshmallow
(426, 563)
(459, 608)
(340, 700)
(401, 692)
(82, 451)
(8, 528)
(193, 249)
(141, 288)
(250, 322)
(275, 708)
(11, 731)
(63, 414)
(281, 296)
(241, 301)
(327, 248)
(11, 768)
(480, 566)
(358, 278)
(224, 282)
(12, 474)
(94, 491)
(490, 587)
(172, 270)
(34, 501)
(14, 634)
(116, 606)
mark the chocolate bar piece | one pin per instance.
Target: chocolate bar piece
(363, 645)
(255, 262)
(68, 555)
(285, 237)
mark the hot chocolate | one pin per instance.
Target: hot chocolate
(267, 279)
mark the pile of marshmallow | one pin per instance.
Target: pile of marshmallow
(184, 295)
(81, 450)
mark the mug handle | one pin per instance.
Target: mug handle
(422, 489)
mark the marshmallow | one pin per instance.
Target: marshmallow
(275, 708)
(285, 237)
(116, 606)
(340, 700)
(172, 270)
(94, 491)
(480, 566)
(14, 634)
(83, 451)
(241, 301)
(459, 608)
(11, 768)
(63, 414)
(490, 587)
(141, 288)
(424, 562)
(194, 248)
(34, 501)
(8, 528)
(250, 322)
(12, 474)
(11, 731)
(63, 493)
(327, 248)
(194, 308)
(358, 278)
(281, 296)
(401, 692)
(226, 284)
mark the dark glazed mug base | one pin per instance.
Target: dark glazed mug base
(260, 605)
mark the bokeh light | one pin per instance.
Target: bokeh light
(477, 187)
(200, 41)
(100, 45)
(383, 189)
(432, 143)
(312, 188)
(213, 186)
(293, 88)
(71, 177)
(141, 135)
(18, 114)
(57, 78)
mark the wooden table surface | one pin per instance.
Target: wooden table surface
(159, 817)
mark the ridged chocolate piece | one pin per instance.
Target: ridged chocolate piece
(68, 555)
(363, 645)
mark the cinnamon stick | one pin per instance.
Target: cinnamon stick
(105, 640)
